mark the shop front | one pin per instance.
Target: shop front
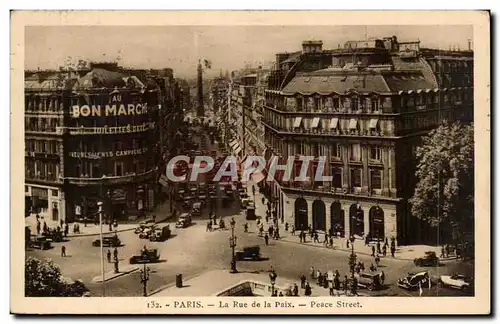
(47, 202)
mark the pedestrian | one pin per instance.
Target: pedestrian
(61, 223)
(296, 288)
(63, 251)
(443, 255)
(45, 227)
(286, 227)
(393, 251)
(312, 272)
(330, 286)
(373, 251)
(387, 241)
(208, 226)
(325, 241)
(347, 243)
(319, 278)
(308, 290)
(108, 255)
(263, 201)
(354, 286)
(293, 230)
(270, 231)
(246, 227)
(66, 229)
(277, 233)
(367, 240)
(266, 238)
(447, 250)
(377, 259)
(261, 230)
(384, 251)
(316, 237)
(115, 252)
(331, 241)
(346, 284)
(311, 234)
(382, 277)
(378, 247)
(303, 281)
(38, 227)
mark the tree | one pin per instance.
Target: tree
(444, 193)
(43, 279)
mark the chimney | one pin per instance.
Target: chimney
(470, 44)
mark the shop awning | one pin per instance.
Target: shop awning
(237, 149)
(297, 122)
(373, 123)
(315, 122)
(353, 123)
(334, 123)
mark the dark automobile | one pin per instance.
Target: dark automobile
(160, 234)
(250, 214)
(146, 256)
(249, 253)
(54, 235)
(108, 241)
(370, 281)
(40, 242)
(414, 280)
(429, 260)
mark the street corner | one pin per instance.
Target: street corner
(113, 275)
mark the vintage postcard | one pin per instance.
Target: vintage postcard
(250, 162)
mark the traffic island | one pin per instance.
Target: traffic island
(110, 275)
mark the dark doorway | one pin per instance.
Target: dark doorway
(356, 219)
(319, 215)
(337, 219)
(301, 222)
(377, 230)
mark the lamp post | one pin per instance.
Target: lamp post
(110, 212)
(144, 280)
(100, 211)
(272, 278)
(116, 264)
(232, 244)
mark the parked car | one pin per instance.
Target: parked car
(40, 242)
(146, 232)
(108, 241)
(248, 253)
(141, 228)
(147, 256)
(53, 235)
(184, 221)
(196, 211)
(250, 214)
(369, 280)
(429, 260)
(160, 234)
(456, 281)
(412, 280)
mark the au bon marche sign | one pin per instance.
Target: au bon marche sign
(99, 155)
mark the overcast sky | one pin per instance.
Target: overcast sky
(179, 47)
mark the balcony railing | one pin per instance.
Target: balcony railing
(112, 180)
(327, 132)
(42, 178)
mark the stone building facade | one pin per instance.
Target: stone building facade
(365, 107)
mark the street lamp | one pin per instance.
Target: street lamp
(272, 278)
(116, 264)
(232, 244)
(100, 211)
(144, 280)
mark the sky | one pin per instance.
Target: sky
(227, 47)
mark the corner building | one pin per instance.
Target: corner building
(107, 142)
(365, 106)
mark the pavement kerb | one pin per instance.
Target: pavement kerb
(116, 275)
(117, 231)
(170, 285)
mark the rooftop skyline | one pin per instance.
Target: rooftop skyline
(227, 47)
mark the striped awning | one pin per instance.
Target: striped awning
(297, 122)
(237, 149)
(315, 122)
(233, 143)
(334, 123)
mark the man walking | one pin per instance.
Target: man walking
(115, 252)
(303, 281)
(63, 251)
(108, 255)
(266, 238)
(66, 229)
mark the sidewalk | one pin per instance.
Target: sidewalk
(112, 275)
(408, 253)
(219, 282)
(162, 211)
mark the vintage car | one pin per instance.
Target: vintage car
(142, 227)
(456, 281)
(196, 211)
(40, 242)
(108, 241)
(244, 202)
(412, 280)
(250, 214)
(53, 235)
(146, 256)
(368, 280)
(429, 260)
(184, 221)
(160, 234)
(147, 232)
(249, 253)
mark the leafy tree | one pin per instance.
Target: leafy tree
(43, 279)
(444, 193)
